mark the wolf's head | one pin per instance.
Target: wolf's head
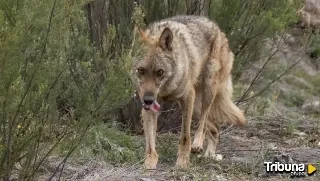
(155, 67)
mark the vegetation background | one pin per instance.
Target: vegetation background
(66, 88)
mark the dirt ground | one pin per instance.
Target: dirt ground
(244, 150)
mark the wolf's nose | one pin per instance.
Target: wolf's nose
(148, 98)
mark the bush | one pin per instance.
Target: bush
(54, 82)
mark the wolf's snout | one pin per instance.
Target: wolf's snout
(148, 98)
(149, 102)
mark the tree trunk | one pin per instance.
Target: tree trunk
(97, 20)
(195, 7)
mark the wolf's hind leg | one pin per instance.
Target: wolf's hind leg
(212, 137)
(210, 83)
(208, 95)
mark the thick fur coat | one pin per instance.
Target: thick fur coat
(186, 59)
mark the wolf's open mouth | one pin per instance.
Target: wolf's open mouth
(155, 106)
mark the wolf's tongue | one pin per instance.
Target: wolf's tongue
(155, 107)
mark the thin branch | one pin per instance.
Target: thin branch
(63, 165)
(56, 80)
(47, 154)
(241, 12)
(243, 45)
(69, 154)
(279, 77)
(259, 72)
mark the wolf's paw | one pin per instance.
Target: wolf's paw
(196, 148)
(149, 165)
(151, 162)
(182, 164)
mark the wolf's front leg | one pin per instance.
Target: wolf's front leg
(186, 104)
(149, 119)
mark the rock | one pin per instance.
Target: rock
(310, 14)
(290, 40)
(218, 157)
(147, 179)
(285, 51)
(311, 107)
(299, 133)
(220, 178)
(272, 146)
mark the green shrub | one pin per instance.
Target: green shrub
(248, 24)
(106, 142)
(54, 81)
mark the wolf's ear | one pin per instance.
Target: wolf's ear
(141, 32)
(165, 40)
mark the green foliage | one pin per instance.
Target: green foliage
(167, 147)
(106, 142)
(315, 46)
(291, 127)
(249, 23)
(315, 52)
(258, 107)
(54, 83)
(120, 16)
(138, 16)
(316, 85)
(314, 81)
(156, 10)
(294, 99)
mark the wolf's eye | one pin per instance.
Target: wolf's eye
(159, 72)
(141, 71)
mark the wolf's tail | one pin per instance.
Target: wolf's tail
(223, 108)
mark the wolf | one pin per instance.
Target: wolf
(185, 59)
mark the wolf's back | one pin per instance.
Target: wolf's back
(200, 29)
(193, 37)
